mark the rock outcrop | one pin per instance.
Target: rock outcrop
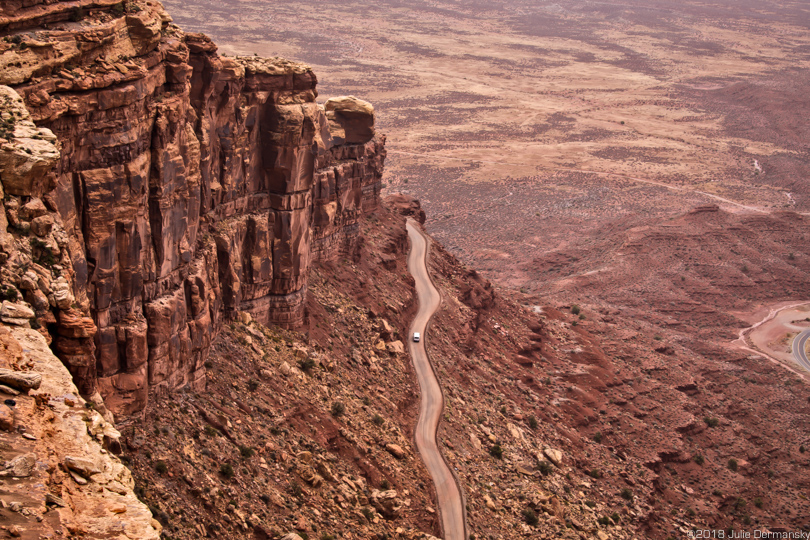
(60, 476)
(189, 186)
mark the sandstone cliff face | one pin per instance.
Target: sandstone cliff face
(190, 186)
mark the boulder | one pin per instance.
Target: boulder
(33, 209)
(386, 503)
(6, 417)
(16, 313)
(490, 503)
(514, 431)
(41, 226)
(326, 472)
(395, 450)
(21, 380)
(62, 295)
(554, 456)
(20, 467)
(351, 120)
(84, 467)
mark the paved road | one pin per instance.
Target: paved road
(800, 349)
(430, 408)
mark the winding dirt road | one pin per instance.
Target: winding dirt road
(448, 494)
(800, 349)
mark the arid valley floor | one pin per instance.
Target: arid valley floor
(646, 160)
(614, 199)
(539, 130)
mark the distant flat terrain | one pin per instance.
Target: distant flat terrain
(641, 171)
(535, 132)
(478, 95)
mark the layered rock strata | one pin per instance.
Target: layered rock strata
(189, 186)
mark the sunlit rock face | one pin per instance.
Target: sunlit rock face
(189, 186)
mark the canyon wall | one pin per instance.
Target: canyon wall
(182, 187)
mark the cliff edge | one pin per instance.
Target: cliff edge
(154, 188)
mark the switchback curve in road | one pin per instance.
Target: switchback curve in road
(800, 349)
(448, 493)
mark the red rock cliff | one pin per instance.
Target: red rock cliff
(190, 186)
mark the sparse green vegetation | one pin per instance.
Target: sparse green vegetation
(597, 437)
(306, 364)
(246, 451)
(626, 494)
(532, 422)
(338, 409)
(711, 421)
(161, 467)
(496, 451)
(377, 419)
(226, 470)
(530, 517)
(575, 309)
(698, 459)
(732, 464)
(295, 489)
(545, 468)
(758, 502)
(9, 293)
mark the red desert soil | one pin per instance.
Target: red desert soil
(574, 150)
(647, 162)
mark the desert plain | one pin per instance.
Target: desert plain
(642, 167)
(650, 156)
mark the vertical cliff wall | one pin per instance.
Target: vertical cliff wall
(189, 186)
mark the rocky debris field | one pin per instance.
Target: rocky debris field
(561, 422)
(299, 432)
(604, 404)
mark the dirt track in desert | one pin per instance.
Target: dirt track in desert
(431, 404)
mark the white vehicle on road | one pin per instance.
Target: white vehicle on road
(416, 336)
